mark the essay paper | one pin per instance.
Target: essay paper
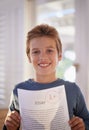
(44, 109)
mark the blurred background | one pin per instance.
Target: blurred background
(69, 17)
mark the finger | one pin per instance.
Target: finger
(77, 123)
(78, 127)
(12, 119)
(15, 116)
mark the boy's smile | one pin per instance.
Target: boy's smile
(44, 56)
(43, 65)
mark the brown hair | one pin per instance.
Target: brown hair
(43, 30)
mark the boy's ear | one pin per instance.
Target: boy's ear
(60, 57)
(29, 59)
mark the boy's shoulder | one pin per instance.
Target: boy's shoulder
(21, 85)
(72, 87)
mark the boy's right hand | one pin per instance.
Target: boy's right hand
(12, 121)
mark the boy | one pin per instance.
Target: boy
(44, 51)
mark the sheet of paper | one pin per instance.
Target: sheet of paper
(44, 109)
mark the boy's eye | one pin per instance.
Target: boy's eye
(35, 52)
(49, 50)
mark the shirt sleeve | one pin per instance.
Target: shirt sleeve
(4, 128)
(13, 105)
(81, 109)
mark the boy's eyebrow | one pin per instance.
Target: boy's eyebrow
(46, 47)
(51, 47)
(35, 48)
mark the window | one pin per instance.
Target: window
(66, 69)
(60, 14)
(2, 57)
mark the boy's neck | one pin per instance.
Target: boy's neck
(45, 79)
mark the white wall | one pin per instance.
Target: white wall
(17, 17)
(12, 39)
(82, 45)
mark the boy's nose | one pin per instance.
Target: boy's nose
(43, 55)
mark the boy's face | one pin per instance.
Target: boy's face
(44, 56)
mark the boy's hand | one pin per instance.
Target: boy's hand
(77, 123)
(12, 121)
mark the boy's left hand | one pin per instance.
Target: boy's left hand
(77, 123)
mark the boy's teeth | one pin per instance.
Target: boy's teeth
(43, 64)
